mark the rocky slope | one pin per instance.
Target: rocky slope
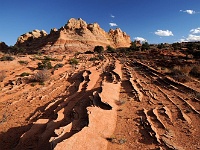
(119, 103)
(76, 35)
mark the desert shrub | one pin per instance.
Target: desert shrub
(160, 46)
(182, 69)
(41, 76)
(73, 61)
(45, 64)
(145, 46)
(98, 49)
(24, 74)
(49, 58)
(101, 57)
(89, 52)
(93, 59)
(110, 49)
(180, 76)
(195, 71)
(119, 102)
(2, 75)
(58, 66)
(7, 58)
(22, 62)
(15, 49)
(197, 95)
(176, 46)
(76, 54)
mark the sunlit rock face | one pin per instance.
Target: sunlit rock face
(76, 35)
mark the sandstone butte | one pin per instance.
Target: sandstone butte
(75, 36)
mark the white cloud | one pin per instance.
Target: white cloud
(189, 11)
(195, 31)
(141, 39)
(183, 40)
(164, 33)
(112, 24)
(112, 16)
(193, 38)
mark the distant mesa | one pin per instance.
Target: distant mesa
(76, 35)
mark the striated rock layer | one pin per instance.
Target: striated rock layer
(76, 35)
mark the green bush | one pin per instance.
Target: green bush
(98, 49)
(145, 46)
(101, 57)
(24, 74)
(22, 62)
(7, 58)
(58, 66)
(89, 52)
(93, 59)
(45, 64)
(73, 61)
(49, 58)
(110, 49)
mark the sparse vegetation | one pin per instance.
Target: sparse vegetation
(180, 74)
(49, 58)
(93, 59)
(45, 58)
(195, 71)
(197, 95)
(98, 49)
(41, 76)
(119, 102)
(23, 62)
(24, 74)
(73, 61)
(76, 54)
(16, 50)
(115, 140)
(176, 46)
(160, 46)
(110, 49)
(58, 66)
(89, 52)
(7, 58)
(145, 46)
(134, 46)
(45, 64)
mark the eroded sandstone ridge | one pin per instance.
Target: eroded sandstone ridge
(76, 35)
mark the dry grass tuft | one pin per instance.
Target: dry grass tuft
(2, 75)
(41, 76)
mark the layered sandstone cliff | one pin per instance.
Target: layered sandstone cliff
(76, 35)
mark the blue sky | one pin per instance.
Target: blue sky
(156, 21)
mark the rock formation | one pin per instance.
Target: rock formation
(3, 46)
(31, 35)
(76, 35)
